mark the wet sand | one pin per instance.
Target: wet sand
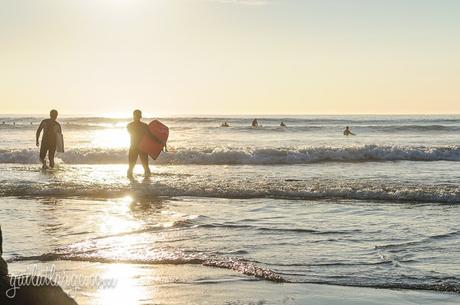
(188, 284)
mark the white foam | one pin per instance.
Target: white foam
(256, 156)
(365, 190)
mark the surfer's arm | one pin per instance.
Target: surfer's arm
(39, 130)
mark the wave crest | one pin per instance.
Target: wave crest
(270, 188)
(252, 156)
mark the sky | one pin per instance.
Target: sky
(173, 57)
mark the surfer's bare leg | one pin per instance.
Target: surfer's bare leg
(43, 161)
(43, 151)
(51, 152)
(132, 159)
(145, 163)
(130, 172)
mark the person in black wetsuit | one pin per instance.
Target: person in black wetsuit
(50, 129)
(137, 130)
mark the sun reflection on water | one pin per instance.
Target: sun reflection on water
(114, 219)
(110, 138)
(129, 289)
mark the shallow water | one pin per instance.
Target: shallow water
(302, 204)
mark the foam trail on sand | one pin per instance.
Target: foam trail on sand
(241, 266)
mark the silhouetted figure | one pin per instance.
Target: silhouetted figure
(255, 123)
(29, 289)
(282, 124)
(347, 132)
(3, 265)
(224, 124)
(137, 130)
(50, 128)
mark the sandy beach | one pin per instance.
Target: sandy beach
(172, 284)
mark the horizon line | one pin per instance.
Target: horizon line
(147, 114)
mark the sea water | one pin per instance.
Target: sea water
(296, 204)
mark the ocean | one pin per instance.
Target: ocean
(239, 206)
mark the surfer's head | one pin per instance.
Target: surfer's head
(137, 115)
(53, 114)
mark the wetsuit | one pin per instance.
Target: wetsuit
(48, 145)
(137, 130)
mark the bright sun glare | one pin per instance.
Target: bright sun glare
(111, 138)
(127, 291)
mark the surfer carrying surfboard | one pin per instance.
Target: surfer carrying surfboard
(138, 130)
(51, 129)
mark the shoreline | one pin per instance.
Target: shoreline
(196, 284)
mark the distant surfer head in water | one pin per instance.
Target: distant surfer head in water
(255, 123)
(347, 132)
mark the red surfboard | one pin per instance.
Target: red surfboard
(148, 145)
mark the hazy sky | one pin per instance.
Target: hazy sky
(230, 57)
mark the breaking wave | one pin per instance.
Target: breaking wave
(220, 188)
(252, 156)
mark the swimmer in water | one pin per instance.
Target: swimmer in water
(347, 132)
(255, 123)
(225, 124)
(282, 124)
